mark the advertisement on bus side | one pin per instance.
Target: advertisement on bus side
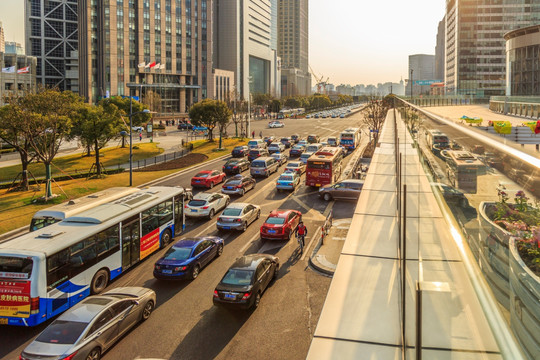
(14, 298)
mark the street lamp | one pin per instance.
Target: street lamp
(411, 85)
(131, 114)
(250, 78)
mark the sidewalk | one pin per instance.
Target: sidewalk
(325, 255)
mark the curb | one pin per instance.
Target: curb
(311, 259)
(318, 268)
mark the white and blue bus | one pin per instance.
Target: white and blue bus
(350, 138)
(45, 272)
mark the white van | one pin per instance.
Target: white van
(257, 143)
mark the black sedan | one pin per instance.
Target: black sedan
(246, 280)
(240, 151)
(297, 150)
(235, 166)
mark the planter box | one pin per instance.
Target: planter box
(493, 254)
(525, 304)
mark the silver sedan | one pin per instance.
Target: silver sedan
(91, 327)
(238, 216)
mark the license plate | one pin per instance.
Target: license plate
(230, 297)
(4, 321)
(167, 271)
(271, 231)
(257, 172)
(193, 210)
(226, 227)
(317, 184)
(230, 188)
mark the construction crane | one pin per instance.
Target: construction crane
(321, 85)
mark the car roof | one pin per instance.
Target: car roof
(250, 262)
(236, 205)
(187, 243)
(203, 196)
(356, 181)
(280, 213)
(204, 171)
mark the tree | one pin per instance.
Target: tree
(49, 113)
(123, 106)
(375, 114)
(292, 103)
(97, 125)
(11, 132)
(152, 100)
(210, 113)
(275, 106)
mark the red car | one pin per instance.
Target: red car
(207, 178)
(280, 224)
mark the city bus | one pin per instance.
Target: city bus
(350, 138)
(462, 170)
(45, 272)
(437, 141)
(324, 167)
(59, 212)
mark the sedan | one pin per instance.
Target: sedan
(207, 178)
(240, 151)
(187, 257)
(92, 326)
(280, 224)
(238, 185)
(246, 280)
(235, 166)
(296, 166)
(297, 150)
(295, 138)
(276, 124)
(238, 216)
(206, 204)
(269, 139)
(288, 181)
(276, 147)
(280, 157)
(287, 142)
(305, 156)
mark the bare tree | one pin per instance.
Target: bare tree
(374, 115)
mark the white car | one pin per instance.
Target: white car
(206, 204)
(276, 124)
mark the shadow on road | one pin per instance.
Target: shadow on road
(17, 336)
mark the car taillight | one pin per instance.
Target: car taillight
(180, 268)
(246, 296)
(238, 220)
(69, 357)
(34, 305)
(185, 206)
(157, 267)
(238, 186)
(205, 207)
(216, 295)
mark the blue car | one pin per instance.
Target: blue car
(186, 258)
(288, 181)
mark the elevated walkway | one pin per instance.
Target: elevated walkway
(371, 311)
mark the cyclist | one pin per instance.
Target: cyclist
(301, 232)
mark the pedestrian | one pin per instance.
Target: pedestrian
(253, 134)
(140, 135)
(260, 134)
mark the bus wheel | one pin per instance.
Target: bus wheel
(166, 238)
(99, 281)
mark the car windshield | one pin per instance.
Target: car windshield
(305, 156)
(274, 146)
(275, 220)
(254, 152)
(284, 139)
(62, 332)
(177, 253)
(293, 165)
(231, 162)
(237, 277)
(233, 182)
(231, 212)
(196, 203)
(258, 164)
(239, 148)
(285, 178)
(297, 147)
(202, 175)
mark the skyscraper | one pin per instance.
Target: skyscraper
(293, 47)
(52, 37)
(244, 42)
(2, 39)
(157, 48)
(475, 46)
(423, 67)
(439, 51)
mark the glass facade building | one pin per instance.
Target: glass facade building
(523, 61)
(475, 46)
(159, 49)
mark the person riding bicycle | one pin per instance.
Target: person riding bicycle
(301, 232)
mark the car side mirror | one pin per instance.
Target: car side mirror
(135, 302)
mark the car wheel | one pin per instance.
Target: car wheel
(288, 236)
(166, 238)
(99, 282)
(257, 300)
(219, 250)
(244, 227)
(211, 214)
(227, 202)
(327, 197)
(195, 272)
(242, 192)
(95, 354)
(148, 308)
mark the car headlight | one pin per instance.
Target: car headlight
(321, 189)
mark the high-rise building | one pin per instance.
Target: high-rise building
(2, 39)
(293, 47)
(475, 46)
(439, 51)
(52, 36)
(13, 47)
(244, 43)
(423, 69)
(160, 49)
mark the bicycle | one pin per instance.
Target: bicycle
(300, 239)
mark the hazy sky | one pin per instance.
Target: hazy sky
(350, 41)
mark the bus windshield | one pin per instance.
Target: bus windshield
(319, 165)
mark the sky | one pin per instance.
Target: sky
(350, 41)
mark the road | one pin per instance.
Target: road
(186, 325)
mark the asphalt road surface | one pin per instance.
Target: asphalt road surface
(186, 325)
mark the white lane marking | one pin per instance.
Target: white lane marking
(248, 244)
(318, 231)
(213, 223)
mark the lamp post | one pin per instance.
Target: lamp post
(131, 114)
(250, 78)
(411, 84)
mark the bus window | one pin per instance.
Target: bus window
(150, 220)
(17, 266)
(165, 211)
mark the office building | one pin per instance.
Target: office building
(13, 47)
(223, 85)
(2, 39)
(243, 43)
(293, 47)
(523, 62)
(52, 36)
(157, 48)
(475, 45)
(439, 51)
(18, 74)
(423, 72)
